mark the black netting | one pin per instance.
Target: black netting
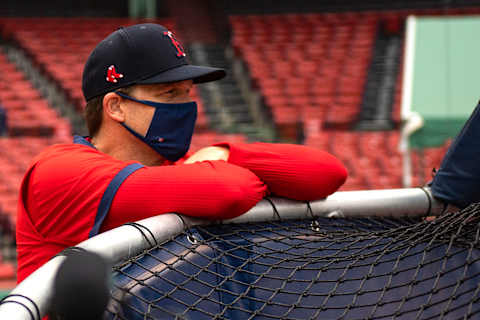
(309, 269)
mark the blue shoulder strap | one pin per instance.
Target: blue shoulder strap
(111, 190)
(82, 141)
(109, 194)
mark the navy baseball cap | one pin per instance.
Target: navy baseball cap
(140, 54)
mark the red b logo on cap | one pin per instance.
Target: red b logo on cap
(178, 46)
(112, 75)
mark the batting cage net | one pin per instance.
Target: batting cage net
(362, 268)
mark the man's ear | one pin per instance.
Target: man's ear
(113, 108)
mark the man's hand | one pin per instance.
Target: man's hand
(209, 153)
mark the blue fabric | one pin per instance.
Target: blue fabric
(247, 270)
(3, 121)
(82, 141)
(111, 190)
(458, 179)
(196, 265)
(171, 129)
(109, 194)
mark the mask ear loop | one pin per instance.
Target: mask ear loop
(136, 134)
(126, 96)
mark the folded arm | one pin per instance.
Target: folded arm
(292, 171)
(208, 189)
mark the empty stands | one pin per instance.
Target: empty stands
(311, 70)
(308, 64)
(208, 138)
(15, 155)
(28, 113)
(60, 47)
(32, 125)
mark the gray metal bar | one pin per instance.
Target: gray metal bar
(115, 245)
(38, 288)
(383, 203)
(127, 241)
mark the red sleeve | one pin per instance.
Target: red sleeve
(291, 171)
(208, 189)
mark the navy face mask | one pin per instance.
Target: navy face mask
(171, 129)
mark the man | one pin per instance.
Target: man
(140, 118)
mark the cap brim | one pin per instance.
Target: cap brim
(187, 72)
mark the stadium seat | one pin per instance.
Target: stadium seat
(61, 55)
(311, 52)
(317, 63)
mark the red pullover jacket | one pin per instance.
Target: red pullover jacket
(73, 191)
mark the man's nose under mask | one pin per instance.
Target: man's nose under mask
(171, 129)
